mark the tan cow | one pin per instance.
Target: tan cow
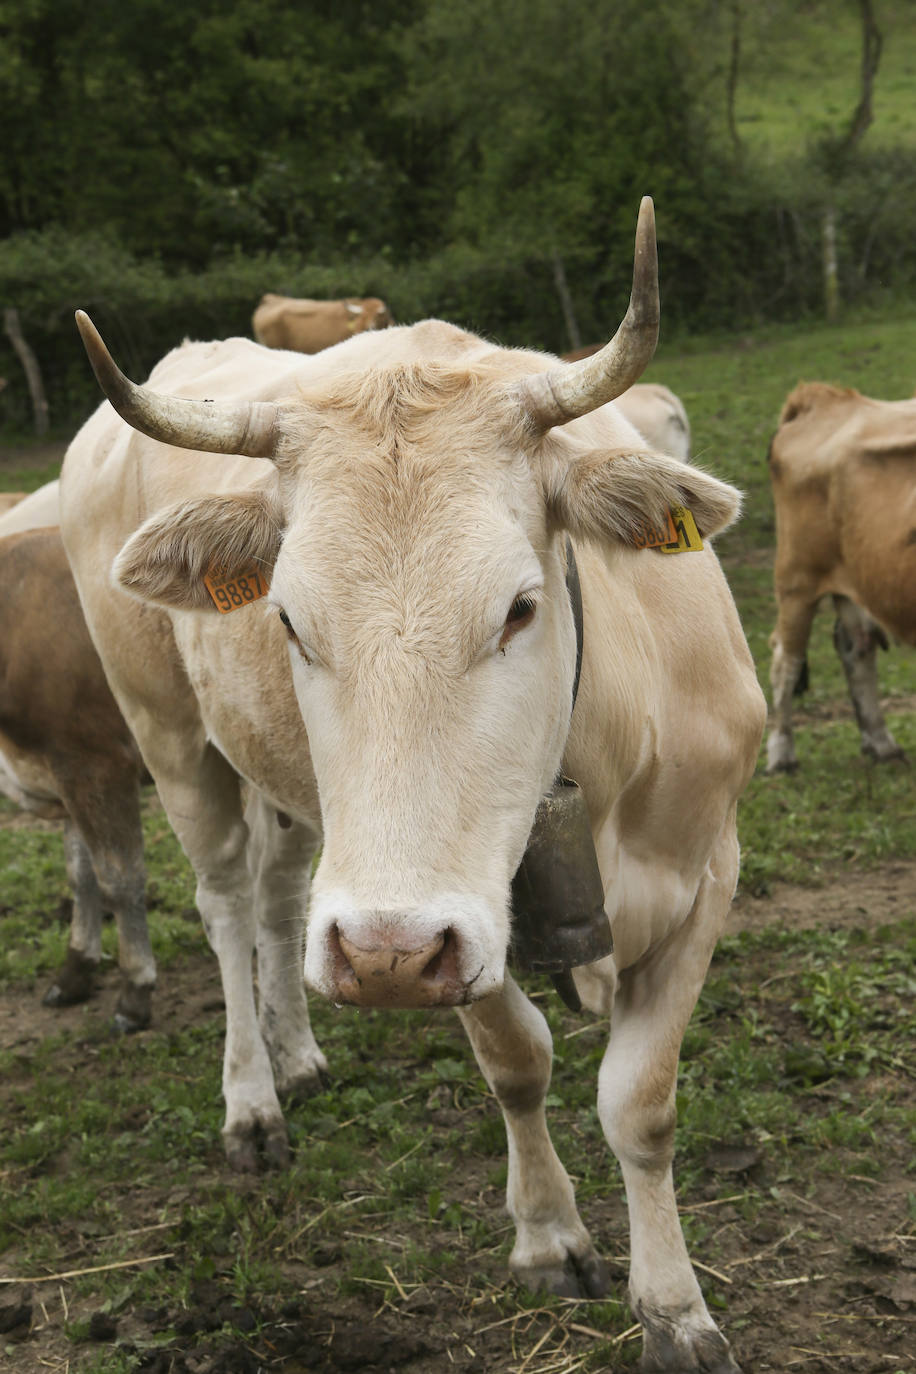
(66, 754)
(402, 695)
(309, 326)
(843, 472)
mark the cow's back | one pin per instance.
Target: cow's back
(38, 508)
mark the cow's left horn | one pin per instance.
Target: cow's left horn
(248, 428)
(563, 393)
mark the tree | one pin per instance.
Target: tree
(835, 152)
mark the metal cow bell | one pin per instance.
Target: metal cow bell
(559, 921)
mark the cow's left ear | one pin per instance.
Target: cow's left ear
(614, 494)
(169, 556)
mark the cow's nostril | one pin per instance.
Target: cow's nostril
(443, 966)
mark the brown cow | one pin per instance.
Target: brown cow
(404, 694)
(309, 326)
(66, 754)
(843, 471)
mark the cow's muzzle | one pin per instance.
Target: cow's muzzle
(391, 975)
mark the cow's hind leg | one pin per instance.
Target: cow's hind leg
(108, 873)
(73, 981)
(514, 1049)
(789, 643)
(636, 1105)
(280, 853)
(857, 638)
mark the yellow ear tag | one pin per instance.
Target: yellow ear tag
(685, 535)
(232, 590)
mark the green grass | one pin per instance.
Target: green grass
(800, 75)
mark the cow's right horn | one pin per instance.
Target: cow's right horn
(248, 428)
(564, 393)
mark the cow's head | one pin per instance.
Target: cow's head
(414, 528)
(370, 313)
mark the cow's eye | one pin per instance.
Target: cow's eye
(521, 611)
(294, 638)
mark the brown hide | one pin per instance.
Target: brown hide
(843, 471)
(306, 326)
(57, 714)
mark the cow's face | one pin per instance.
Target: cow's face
(432, 652)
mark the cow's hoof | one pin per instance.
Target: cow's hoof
(579, 1277)
(880, 754)
(305, 1086)
(73, 983)
(781, 766)
(672, 1348)
(246, 1147)
(134, 1011)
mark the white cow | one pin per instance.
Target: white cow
(659, 416)
(403, 696)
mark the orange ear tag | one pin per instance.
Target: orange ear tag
(232, 590)
(685, 537)
(655, 536)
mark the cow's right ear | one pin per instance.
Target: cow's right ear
(169, 556)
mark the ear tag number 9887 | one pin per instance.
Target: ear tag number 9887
(231, 591)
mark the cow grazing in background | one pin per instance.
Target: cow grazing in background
(654, 409)
(843, 472)
(66, 754)
(659, 416)
(402, 695)
(309, 326)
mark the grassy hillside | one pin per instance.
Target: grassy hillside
(801, 77)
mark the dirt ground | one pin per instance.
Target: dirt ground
(824, 1284)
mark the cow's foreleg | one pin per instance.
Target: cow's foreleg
(203, 804)
(636, 1104)
(789, 643)
(280, 853)
(856, 637)
(514, 1049)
